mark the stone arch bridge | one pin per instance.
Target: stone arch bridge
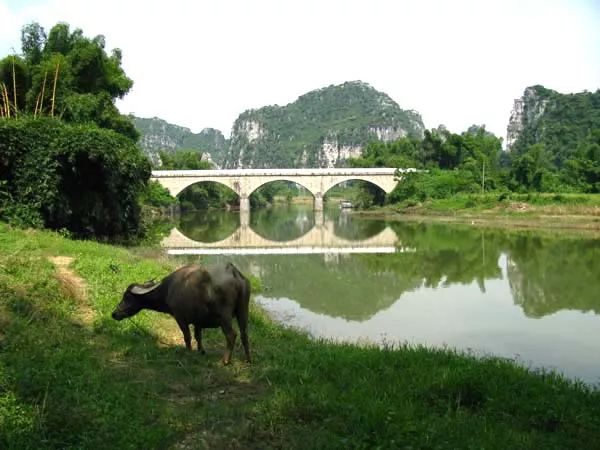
(246, 181)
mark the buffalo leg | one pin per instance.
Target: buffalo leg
(230, 337)
(198, 335)
(242, 319)
(187, 336)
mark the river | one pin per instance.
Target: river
(529, 296)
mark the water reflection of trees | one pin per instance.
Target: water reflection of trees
(215, 226)
(548, 274)
(358, 286)
(448, 255)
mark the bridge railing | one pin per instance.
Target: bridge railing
(280, 172)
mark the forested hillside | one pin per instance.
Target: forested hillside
(157, 135)
(554, 140)
(322, 128)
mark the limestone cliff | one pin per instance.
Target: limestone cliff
(526, 112)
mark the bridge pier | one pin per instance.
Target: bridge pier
(244, 217)
(244, 204)
(319, 219)
(318, 202)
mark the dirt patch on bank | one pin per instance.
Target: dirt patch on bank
(73, 286)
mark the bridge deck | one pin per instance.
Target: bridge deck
(278, 172)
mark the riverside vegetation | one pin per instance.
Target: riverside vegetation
(70, 376)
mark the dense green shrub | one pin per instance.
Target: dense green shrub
(435, 183)
(154, 194)
(78, 177)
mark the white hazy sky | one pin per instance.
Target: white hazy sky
(201, 63)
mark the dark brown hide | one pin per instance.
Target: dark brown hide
(194, 295)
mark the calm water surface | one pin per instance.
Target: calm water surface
(529, 296)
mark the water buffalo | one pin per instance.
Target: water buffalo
(204, 297)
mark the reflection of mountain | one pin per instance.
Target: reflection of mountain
(547, 274)
(335, 285)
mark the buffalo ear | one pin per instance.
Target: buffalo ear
(143, 289)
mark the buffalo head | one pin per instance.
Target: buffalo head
(133, 300)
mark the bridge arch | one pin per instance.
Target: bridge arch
(290, 179)
(383, 186)
(216, 181)
(176, 185)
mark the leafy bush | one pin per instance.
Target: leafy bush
(78, 177)
(154, 194)
(433, 184)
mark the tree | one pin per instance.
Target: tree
(183, 159)
(71, 76)
(530, 168)
(33, 40)
(583, 169)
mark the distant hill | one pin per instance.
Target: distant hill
(157, 134)
(562, 122)
(322, 128)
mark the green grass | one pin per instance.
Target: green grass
(503, 203)
(130, 384)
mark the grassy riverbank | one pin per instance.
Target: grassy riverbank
(71, 377)
(581, 211)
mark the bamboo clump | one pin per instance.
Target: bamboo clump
(9, 108)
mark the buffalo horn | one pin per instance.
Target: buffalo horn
(142, 289)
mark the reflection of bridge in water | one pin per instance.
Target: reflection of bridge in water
(320, 239)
